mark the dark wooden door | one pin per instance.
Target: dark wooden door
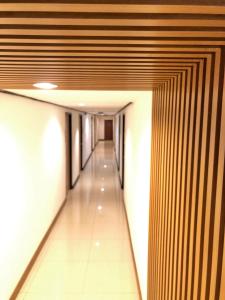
(108, 129)
(81, 141)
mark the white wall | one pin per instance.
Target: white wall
(86, 137)
(101, 129)
(137, 178)
(32, 181)
(95, 130)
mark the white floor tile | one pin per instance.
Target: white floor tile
(88, 254)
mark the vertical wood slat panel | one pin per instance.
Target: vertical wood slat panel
(177, 184)
(166, 155)
(179, 166)
(199, 175)
(158, 190)
(151, 213)
(195, 193)
(170, 179)
(187, 180)
(210, 182)
(166, 104)
(173, 182)
(174, 190)
(219, 215)
(164, 128)
(168, 185)
(156, 194)
(161, 138)
(187, 210)
(184, 159)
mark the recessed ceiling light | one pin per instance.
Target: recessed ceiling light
(97, 244)
(105, 166)
(45, 85)
(81, 104)
(102, 189)
(99, 207)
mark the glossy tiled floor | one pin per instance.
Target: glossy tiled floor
(88, 255)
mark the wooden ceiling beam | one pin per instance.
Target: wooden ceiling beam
(113, 33)
(113, 8)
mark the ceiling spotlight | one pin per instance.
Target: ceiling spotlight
(45, 85)
(102, 189)
(81, 104)
(99, 207)
(97, 244)
(105, 166)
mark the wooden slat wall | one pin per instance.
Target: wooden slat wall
(187, 201)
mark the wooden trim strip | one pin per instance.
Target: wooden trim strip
(112, 32)
(116, 6)
(132, 248)
(122, 22)
(83, 167)
(36, 254)
(75, 182)
(123, 108)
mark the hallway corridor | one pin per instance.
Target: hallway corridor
(88, 255)
(142, 82)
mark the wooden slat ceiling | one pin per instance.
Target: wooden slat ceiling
(105, 45)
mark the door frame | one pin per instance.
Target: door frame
(123, 151)
(69, 151)
(92, 133)
(81, 141)
(119, 143)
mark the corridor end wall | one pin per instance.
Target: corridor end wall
(101, 126)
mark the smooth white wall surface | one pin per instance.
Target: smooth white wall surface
(86, 137)
(101, 129)
(32, 181)
(137, 178)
